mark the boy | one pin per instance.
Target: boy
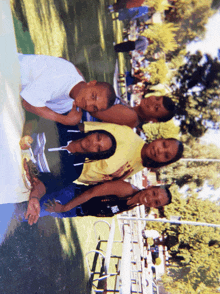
(151, 109)
(52, 87)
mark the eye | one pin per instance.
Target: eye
(156, 203)
(95, 108)
(94, 96)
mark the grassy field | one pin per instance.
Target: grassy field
(49, 257)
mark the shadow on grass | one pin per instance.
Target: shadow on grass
(89, 32)
(33, 261)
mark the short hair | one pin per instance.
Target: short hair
(111, 96)
(148, 162)
(103, 154)
(170, 106)
(169, 195)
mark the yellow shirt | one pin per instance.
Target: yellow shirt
(127, 156)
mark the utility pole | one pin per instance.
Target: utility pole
(177, 222)
(200, 159)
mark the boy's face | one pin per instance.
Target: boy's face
(152, 108)
(92, 97)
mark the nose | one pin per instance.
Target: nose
(158, 151)
(96, 144)
(89, 103)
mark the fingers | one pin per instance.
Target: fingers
(26, 142)
(50, 205)
(33, 211)
(33, 219)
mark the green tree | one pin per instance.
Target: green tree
(195, 250)
(163, 37)
(196, 90)
(215, 4)
(194, 173)
(190, 16)
(158, 71)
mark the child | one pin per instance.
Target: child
(52, 87)
(151, 109)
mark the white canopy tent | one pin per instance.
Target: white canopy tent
(13, 189)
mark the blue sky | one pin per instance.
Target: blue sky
(211, 42)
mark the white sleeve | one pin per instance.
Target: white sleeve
(38, 92)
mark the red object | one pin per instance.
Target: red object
(127, 4)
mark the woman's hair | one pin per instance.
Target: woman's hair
(148, 162)
(102, 154)
(170, 106)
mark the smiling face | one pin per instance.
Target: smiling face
(153, 197)
(92, 97)
(152, 108)
(162, 150)
(96, 142)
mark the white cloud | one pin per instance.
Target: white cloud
(211, 42)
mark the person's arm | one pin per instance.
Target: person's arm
(37, 191)
(118, 188)
(72, 118)
(118, 114)
(33, 209)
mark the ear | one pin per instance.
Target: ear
(92, 83)
(153, 120)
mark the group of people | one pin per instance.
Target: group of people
(91, 153)
(98, 155)
(137, 81)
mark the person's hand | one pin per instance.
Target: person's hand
(122, 173)
(33, 211)
(73, 117)
(53, 206)
(126, 174)
(26, 142)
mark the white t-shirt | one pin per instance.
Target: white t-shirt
(47, 81)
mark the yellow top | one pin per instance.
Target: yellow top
(127, 157)
(161, 130)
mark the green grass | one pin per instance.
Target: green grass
(50, 256)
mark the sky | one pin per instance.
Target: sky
(210, 44)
